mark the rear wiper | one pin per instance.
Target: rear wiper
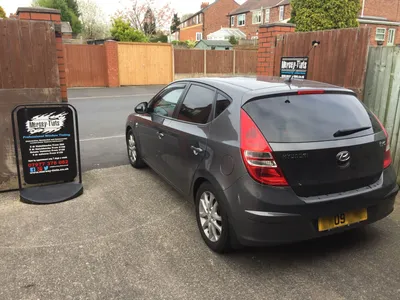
(344, 132)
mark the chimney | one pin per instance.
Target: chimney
(204, 4)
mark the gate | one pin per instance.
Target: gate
(145, 64)
(340, 59)
(85, 65)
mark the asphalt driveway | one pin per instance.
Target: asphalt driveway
(131, 236)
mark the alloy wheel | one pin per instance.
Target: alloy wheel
(210, 218)
(132, 149)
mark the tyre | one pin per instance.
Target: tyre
(212, 219)
(133, 151)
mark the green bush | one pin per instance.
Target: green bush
(312, 15)
(233, 40)
(122, 31)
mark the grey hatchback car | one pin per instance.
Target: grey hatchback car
(266, 161)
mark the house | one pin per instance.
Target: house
(208, 19)
(225, 34)
(383, 17)
(253, 13)
(213, 45)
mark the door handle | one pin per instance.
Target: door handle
(196, 150)
(160, 135)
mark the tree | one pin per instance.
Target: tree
(94, 25)
(122, 31)
(135, 13)
(67, 13)
(2, 13)
(149, 25)
(233, 40)
(175, 23)
(312, 15)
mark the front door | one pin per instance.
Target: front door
(151, 125)
(185, 140)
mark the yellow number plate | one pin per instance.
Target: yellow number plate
(343, 219)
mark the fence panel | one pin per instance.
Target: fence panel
(28, 74)
(382, 94)
(340, 59)
(245, 62)
(145, 63)
(189, 61)
(85, 65)
(219, 61)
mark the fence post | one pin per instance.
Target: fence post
(111, 48)
(173, 63)
(205, 62)
(234, 61)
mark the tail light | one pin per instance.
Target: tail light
(387, 158)
(257, 154)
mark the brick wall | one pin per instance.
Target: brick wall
(266, 46)
(389, 9)
(189, 33)
(216, 16)
(111, 48)
(373, 27)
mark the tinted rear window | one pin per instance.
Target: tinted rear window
(310, 118)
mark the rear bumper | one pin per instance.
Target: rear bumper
(267, 220)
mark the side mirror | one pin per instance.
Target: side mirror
(141, 108)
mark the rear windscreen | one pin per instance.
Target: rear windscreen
(310, 118)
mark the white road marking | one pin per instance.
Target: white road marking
(102, 138)
(115, 96)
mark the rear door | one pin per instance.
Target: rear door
(185, 141)
(151, 125)
(324, 143)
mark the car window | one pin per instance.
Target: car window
(310, 118)
(166, 102)
(197, 105)
(221, 104)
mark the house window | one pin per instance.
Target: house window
(380, 34)
(232, 21)
(267, 11)
(241, 20)
(257, 17)
(201, 18)
(197, 19)
(391, 36)
(199, 36)
(281, 12)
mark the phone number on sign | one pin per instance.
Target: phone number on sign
(49, 163)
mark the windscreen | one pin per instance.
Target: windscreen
(311, 118)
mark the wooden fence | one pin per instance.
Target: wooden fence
(382, 94)
(85, 65)
(28, 74)
(340, 59)
(145, 63)
(194, 61)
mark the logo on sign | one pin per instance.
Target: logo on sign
(46, 123)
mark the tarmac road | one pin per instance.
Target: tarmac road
(102, 114)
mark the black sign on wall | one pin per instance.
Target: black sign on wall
(47, 143)
(294, 65)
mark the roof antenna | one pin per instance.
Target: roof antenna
(314, 44)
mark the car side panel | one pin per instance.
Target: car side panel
(223, 161)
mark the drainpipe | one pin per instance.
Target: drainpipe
(362, 10)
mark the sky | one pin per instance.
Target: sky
(110, 7)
